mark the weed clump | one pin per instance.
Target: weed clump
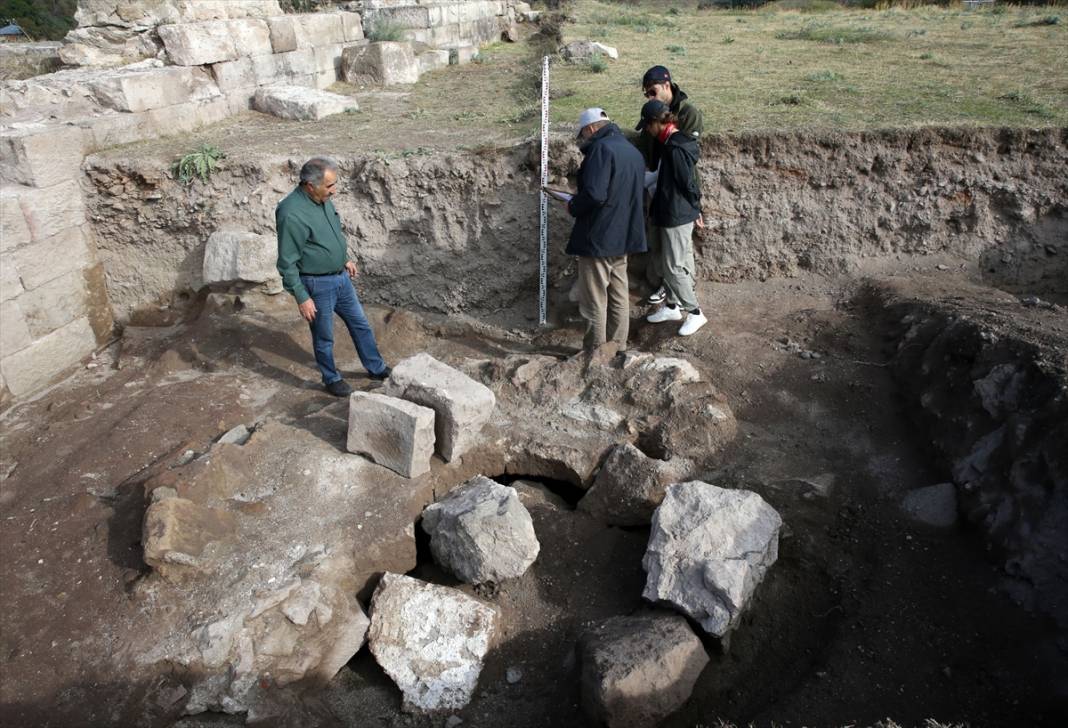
(822, 33)
(198, 164)
(1038, 22)
(384, 30)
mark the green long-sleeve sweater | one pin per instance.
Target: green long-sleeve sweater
(309, 240)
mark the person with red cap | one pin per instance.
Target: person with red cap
(657, 84)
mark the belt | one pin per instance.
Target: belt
(323, 275)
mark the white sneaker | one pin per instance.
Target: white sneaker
(693, 322)
(664, 313)
(657, 296)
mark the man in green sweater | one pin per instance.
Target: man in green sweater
(658, 84)
(315, 269)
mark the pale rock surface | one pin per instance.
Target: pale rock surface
(430, 640)
(638, 670)
(301, 103)
(581, 50)
(709, 549)
(481, 532)
(392, 432)
(35, 365)
(385, 62)
(935, 505)
(630, 485)
(462, 405)
(177, 533)
(432, 60)
(195, 44)
(154, 88)
(235, 257)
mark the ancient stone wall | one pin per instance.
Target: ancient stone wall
(188, 63)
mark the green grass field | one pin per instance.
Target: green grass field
(777, 68)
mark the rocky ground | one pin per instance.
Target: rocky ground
(866, 614)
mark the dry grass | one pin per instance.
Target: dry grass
(784, 69)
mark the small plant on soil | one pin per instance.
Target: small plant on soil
(597, 63)
(823, 77)
(198, 164)
(676, 49)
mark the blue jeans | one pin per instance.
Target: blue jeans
(335, 294)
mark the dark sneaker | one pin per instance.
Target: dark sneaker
(340, 388)
(382, 375)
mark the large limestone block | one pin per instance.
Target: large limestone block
(41, 155)
(394, 433)
(583, 50)
(430, 640)
(232, 76)
(196, 44)
(320, 29)
(433, 60)
(10, 282)
(630, 485)
(182, 118)
(55, 303)
(636, 671)
(481, 532)
(154, 88)
(708, 550)
(286, 33)
(235, 257)
(36, 365)
(178, 532)
(352, 26)
(301, 103)
(14, 333)
(251, 37)
(13, 228)
(462, 405)
(53, 210)
(386, 62)
(54, 257)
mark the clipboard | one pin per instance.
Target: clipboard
(558, 194)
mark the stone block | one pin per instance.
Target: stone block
(406, 16)
(234, 75)
(352, 26)
(322, 29)
(393, 433)
(155, 88)
(53, 210)
(10, 284)
(636, 671)
(110, 130)
(461, 404)
(387, 63)
(251, 37)
(236, 257)
(630, 485)
(13, 228)
(197, 44)
(183, 118)
(298, 63)
(54, 257)
(14, 333)
(301, 103)
(286, 33)
(433, 60)
(328, 58)
(42, 155)
(462, 55)
(178, 532)
(54, 304)
(36, 365)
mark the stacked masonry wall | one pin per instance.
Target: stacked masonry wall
(205, 60)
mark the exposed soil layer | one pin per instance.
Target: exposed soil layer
(455, 231)
(865, 615)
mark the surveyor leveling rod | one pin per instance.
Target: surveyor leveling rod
(543, 251)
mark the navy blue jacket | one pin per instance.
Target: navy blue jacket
(608, 206)
(678, 198)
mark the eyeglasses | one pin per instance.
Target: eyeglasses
(650, 92)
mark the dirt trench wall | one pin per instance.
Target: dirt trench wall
(458, 232)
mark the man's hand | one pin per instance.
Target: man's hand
(700, 222)
(351, 268)
(307, 310)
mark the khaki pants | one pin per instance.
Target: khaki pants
(603, 300)
(654, 266)
(677, 264)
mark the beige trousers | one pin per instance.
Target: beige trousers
(603, 300)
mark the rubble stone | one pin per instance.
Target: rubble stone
(430, 640)
(391, 432)
(638, 670)
(461, 404)
(708, 551)
(301, 103)
(582, 50)
(630, 486)
(235, 256)
(177, 532)
(385, 62)
(481, 532)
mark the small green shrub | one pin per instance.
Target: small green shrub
(823, 77)
(383, 30)
(728, 39)
(198, 164)
(677, 49)
(1037, 22)
(597, 63)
